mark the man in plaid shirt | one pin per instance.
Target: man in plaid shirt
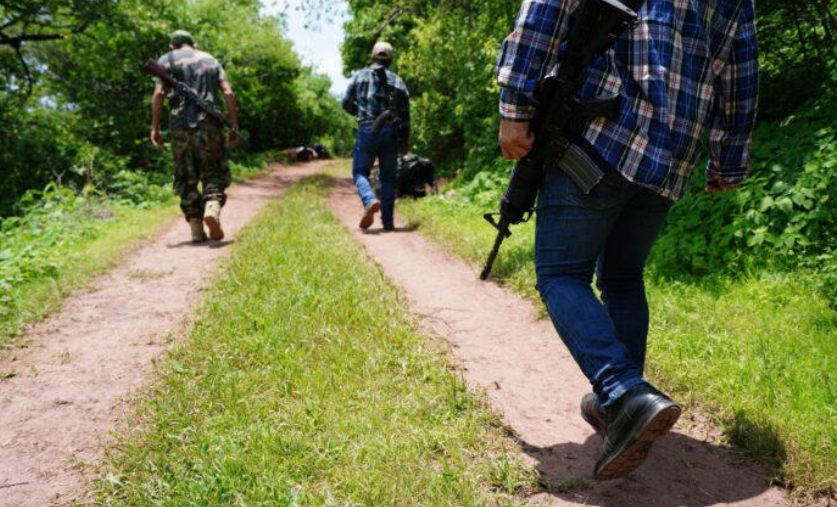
(371, 92)
(687, 66)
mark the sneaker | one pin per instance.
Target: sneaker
(198, 234)
(212, 219)
(369, 215)
(641, 416)
(593, 413)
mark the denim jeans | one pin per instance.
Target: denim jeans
(609, 231)
(384, 147)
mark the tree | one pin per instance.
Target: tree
(34, 21)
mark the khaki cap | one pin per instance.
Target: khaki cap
(382, 51)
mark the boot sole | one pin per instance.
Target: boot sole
(635, 450)
(216, 233)
(369, 218)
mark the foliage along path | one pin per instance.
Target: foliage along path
(533, 382)
(68, 393)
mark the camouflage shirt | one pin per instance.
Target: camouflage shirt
(201, 72)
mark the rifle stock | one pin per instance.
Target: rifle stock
(157, 70)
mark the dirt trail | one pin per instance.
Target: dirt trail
(533, 382)
(69, 389)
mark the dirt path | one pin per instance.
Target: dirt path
(69, 389)
(533, 382)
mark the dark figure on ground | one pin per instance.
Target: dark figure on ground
(380, 102)
(322, 151)
(197, 140)
(686, 67)
(413, 176)
(305, 154)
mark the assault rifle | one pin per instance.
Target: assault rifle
(597, 25)
(388, 97)
(188, 94)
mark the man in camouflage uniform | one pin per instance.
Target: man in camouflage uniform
(197, 140)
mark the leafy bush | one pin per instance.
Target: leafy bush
(783, 216)
(33, 244)
(141, 190)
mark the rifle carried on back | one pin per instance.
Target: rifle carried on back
(597, 25)
(182, 89)
(388, 97)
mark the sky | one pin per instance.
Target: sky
(318, 45)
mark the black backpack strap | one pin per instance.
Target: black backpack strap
(386, 89)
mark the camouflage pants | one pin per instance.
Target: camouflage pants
(200, 158)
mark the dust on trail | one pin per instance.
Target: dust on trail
(532, 381)
(70, 386)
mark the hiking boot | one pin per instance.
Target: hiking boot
(198, 234)
(641, 416)
(369, 215)
(593, 413)
(212, 219)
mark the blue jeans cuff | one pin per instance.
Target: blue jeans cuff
(621, 387)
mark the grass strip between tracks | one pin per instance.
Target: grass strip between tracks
(303, 382)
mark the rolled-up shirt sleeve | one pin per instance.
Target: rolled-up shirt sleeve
(526, 53)
(736, 90)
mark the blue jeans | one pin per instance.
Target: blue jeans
(610, 231)
(383, 146)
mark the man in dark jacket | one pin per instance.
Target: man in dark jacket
(685, 68)
(373, 92)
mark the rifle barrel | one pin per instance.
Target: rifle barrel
(502, 233)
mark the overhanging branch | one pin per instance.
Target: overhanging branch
(18, 40)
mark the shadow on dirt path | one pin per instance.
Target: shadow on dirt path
(532, 381)
(68, 389)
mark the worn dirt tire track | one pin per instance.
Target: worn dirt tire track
(533, 382)
(85, 361)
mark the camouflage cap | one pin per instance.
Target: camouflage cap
(182, 37)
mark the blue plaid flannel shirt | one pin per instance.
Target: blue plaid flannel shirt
(361, 98)
(687, 66)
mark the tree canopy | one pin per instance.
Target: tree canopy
(71, 84)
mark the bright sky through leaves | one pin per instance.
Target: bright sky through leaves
(316, 40)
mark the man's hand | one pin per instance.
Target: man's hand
(235, 140)
(157, 139)
(515, 139)
(717, 185)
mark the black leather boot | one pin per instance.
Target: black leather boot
(641, 416)
(593, 414)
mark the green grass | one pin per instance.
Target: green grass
(757, 353)
(101, 248)
(303, 382)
